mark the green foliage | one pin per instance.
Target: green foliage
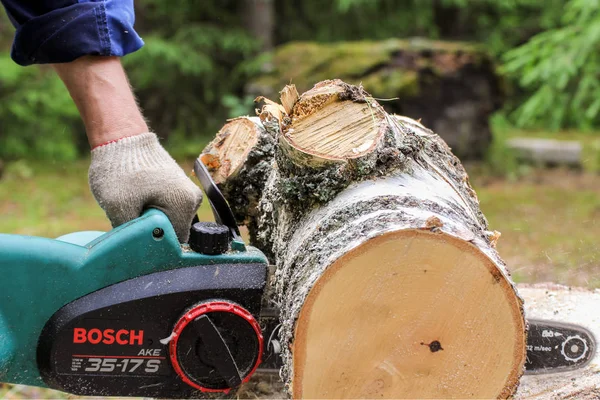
(238, 106)
(191, 74)
(38, 118)
(501, 25)
(551, 49)
(560, 68)
(180, 80)
(189, 64)
(328, 21)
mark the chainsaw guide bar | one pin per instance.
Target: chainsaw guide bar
(557, 347)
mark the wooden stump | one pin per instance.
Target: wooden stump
(387, 278)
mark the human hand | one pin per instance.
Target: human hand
(132, 174)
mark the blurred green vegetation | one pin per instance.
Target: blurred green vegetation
(305, 63)
(559, 68)
(52, 199)
(37, 117)
(190, 76)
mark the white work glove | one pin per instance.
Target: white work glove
(135, 173)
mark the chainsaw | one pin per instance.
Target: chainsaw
(132, 312)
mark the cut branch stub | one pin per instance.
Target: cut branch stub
(289, 96)
(227, 153)
(333, 122)
(240, 160)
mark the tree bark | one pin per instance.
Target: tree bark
(387, 279)
(239, 159)
(259, 19)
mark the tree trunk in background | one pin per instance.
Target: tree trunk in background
(259, 20)
(387, 279)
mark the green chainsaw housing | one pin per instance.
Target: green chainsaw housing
(42, 275)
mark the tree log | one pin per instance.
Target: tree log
(547, 151)
(546, 301)
(387, 279)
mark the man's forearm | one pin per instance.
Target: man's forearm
(101, 91)
(129, 171)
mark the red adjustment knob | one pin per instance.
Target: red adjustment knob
(216, 346)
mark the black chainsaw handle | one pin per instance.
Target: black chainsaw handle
(221, 210)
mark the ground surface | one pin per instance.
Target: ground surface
(550, 225)
(549, 219)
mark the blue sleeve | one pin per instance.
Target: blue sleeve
(55, 31)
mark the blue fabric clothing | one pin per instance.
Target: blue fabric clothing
(55, 31)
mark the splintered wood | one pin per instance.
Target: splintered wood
(328, 127)
(338, 131)
(387, 279)
(289, 95)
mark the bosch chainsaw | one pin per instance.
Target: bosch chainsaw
(132, 312)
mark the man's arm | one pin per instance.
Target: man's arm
(130, 171)
(101, 91)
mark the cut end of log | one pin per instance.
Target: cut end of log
(410, 314)
(335, 121)
(226, 154)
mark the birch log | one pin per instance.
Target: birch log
(387, 278)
